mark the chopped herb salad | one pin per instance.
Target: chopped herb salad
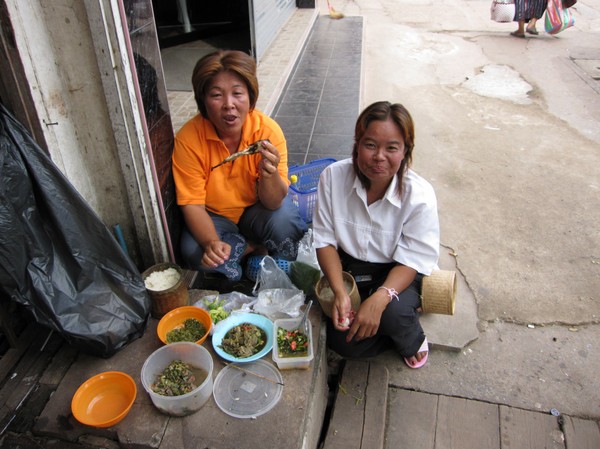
(292, 343)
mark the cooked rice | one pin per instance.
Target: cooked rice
(162, 280)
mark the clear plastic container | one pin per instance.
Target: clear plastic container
(284, 363)
(248, 390)
(190, 353)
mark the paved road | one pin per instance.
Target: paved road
(508, 131)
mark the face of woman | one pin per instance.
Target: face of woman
(227, 103)
(380, 152)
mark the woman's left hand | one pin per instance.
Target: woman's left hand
(270, 160)
(367, 320)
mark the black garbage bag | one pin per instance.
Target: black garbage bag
(57, 258)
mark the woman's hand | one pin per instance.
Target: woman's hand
(215, 253)
(367, 319)
(270, 160)
(340, 310)
(272, 188)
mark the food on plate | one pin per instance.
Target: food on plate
(292, 343)
(244, 340)
(191, 330)
(178, 378)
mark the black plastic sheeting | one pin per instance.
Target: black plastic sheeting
(57, 258)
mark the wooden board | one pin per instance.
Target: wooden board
(463, 423)
(412, 420)
(375, 407)
(347, 419)
(529, 430)
(581, 434)
(359, 412)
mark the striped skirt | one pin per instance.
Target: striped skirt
(529, 9)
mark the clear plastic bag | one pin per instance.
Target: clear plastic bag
(277, 295)
(305, 272)
(306, 251)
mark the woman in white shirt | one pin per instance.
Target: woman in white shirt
(377, 219)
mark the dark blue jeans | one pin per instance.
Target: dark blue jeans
(279, 231)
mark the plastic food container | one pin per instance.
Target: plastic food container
(291, 362)
(249, 393)
(192, 354)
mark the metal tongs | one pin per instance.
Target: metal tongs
(252, 149)
(302, 325)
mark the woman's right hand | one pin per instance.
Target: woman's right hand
(215, 253)
(340, 311)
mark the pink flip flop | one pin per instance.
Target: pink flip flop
(420, 363)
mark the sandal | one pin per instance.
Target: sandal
(532, 31)
(424, 348)
(517, 34)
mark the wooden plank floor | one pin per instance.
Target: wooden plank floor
(358, 415)
(428, 421)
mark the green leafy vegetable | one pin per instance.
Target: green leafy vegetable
(192, 330)
(176, 379)
(244, 340)
(292, 343)
(215, 309)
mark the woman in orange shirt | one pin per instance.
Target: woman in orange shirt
(241, 206)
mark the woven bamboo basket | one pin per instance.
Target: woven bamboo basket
(326, 300)
(438, 292)
(164, 301)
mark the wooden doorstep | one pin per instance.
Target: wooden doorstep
(359, 413)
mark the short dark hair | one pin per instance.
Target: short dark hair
(384, 110)
(234, 61)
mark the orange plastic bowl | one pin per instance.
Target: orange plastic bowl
(104, 400)
(177, 317)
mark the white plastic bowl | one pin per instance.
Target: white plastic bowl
(190, 353)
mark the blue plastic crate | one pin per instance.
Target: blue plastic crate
(303, 192)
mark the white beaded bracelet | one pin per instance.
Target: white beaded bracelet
(392, 293)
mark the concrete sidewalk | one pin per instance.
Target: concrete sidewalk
(508, 132)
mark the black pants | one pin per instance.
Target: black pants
(399, 328)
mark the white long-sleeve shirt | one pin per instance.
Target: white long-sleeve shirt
(404, 229)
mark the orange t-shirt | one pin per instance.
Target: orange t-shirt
(230, 188)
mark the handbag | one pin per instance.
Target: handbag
(568, 3)
(557, 17)
(502, 10)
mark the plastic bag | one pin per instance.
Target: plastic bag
(271, 276)
(276, 303)
(57, 258)
(277, 295)
(306, 251)
(305, 272)
(233, 301)
(558, 18)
